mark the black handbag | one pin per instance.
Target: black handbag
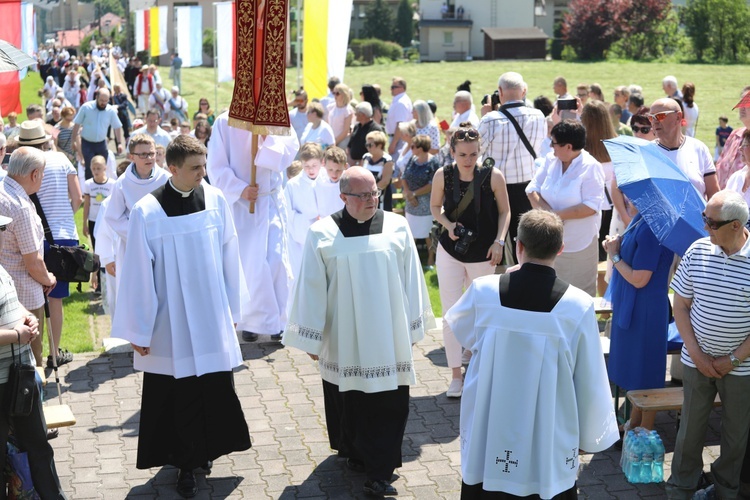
(19, 391)
(68, 263)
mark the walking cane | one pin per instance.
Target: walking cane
(60, 415)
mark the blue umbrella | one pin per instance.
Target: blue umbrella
(670, 204)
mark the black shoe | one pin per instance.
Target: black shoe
(249, 336)
(277, 337)
(355, 465)
(205, 468)
(63, 357)
(186, 486)
(379, 488)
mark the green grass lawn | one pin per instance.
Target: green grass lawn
(717, 90)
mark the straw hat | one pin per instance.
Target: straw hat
(32, 133)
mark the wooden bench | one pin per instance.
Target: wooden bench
(653, 400)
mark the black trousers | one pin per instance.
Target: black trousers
(368, 427)
(519, 204)
(31, 434)
(89, 150)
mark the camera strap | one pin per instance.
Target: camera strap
(480, 175)
(512, 119)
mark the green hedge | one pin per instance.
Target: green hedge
(368, 50)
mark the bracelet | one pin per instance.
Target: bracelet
(500, 242)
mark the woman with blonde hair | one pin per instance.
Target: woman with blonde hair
(340, 115)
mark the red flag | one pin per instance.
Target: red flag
(259, 99)
(10, 31)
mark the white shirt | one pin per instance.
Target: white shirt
(550, 365)
(298, 120)
(467, 116)
(323, 135)
(400, 111)
(302, 211)
(583, 182)
(691, 117)
(327, 195)
(694, 159)
(737, 181)
(54, 196)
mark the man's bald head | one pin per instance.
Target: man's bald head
(356, 176)
(665, 104)
(358, 190)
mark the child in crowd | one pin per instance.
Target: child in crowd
(722, 133)
(175, 124)
(161, 156)
(185, 128)
(327, 191)
(142, 176)
(380, 163)
(294, 169)
(95, 190)
(105, 246)
(301, 207)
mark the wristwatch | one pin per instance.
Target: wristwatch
(616, 258)
(735, 361)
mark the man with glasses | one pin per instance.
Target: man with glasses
(712, 312)
(689, 154)
(501, 141)
(359, 304)
(141, 177)
(92, 122)
(582, 91)
(400, 111)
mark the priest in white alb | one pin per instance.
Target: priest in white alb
(359, 304)
(262, 235)
(178, 303)
(536, 392)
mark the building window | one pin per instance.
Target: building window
(447, 38)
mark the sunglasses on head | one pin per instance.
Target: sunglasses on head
(466, 134)
(715, 224)
(3, 228)
(660, 117)
(645, 129)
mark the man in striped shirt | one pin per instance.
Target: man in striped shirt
(500, 141)
(712, 312)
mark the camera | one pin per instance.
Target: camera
(493, 99)
(465, 238)
(567, 108)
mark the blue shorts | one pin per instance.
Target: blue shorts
(62, 289)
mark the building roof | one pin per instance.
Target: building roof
(456, 23)
(515, 33)
(70, 38)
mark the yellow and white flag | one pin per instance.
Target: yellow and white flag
(326, 36)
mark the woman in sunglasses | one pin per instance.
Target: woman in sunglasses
(740, 180)
(340, 115)
(571, 184)
(205, 108)
(731, 159)
(471, 203)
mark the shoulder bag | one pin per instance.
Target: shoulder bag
(68, 263)
(19, 391)
(519, 130)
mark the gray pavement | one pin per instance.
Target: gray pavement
(281, 394)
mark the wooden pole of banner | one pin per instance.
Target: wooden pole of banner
(253, 168)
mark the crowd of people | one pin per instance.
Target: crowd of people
(513, 202)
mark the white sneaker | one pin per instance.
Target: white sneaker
(466, 357)
(455, 389)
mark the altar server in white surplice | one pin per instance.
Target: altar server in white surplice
(140, 178)
(302, 209)
(182, 294)
(359, 304)
(536, 391)
(327, 192)
(262, 235)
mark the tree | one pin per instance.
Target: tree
(592, 26)
(404, 24)
(379, 21)
(717, 28)
(642, 23)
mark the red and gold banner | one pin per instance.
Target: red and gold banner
(259, 100)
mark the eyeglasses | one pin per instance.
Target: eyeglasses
(715, 224)
(145, 156)
(395, 87)
(553, 143)
(369, 144)
(337, 93)
(466, 134)
(366, 196)
(641, 130)
(583, 95)
(3, 228)
(660, 117)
